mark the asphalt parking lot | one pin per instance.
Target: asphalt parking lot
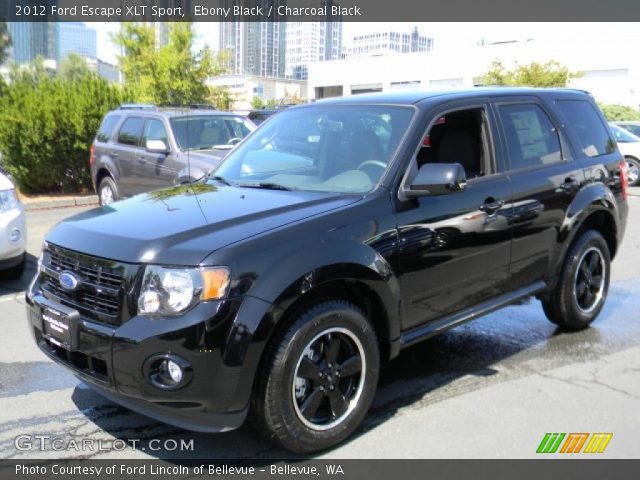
(488, 389)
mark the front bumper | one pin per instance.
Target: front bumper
(110, 360)
(11, 252)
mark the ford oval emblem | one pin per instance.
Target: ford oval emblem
(68, 281)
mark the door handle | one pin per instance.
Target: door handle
(142, 159)
(491, 206)
(114, 154)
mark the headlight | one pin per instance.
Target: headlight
(8, 200)
(171, 291)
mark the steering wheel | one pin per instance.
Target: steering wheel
(372, 163)
(234, 141)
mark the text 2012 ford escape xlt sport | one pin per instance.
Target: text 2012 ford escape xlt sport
(334, 236)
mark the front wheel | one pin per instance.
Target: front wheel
(583, 284)
(633, 171)
(320, 379)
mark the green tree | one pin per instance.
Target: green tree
(257, 103)
(615, 112)
(5, 42)
(549, 74)
(222, 98)
(47, 126)
(73, 68)
(172, 74)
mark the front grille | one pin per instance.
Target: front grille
(100, 290)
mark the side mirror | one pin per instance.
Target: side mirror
(156, 146)
(438, 179)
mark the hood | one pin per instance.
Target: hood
(182, 225)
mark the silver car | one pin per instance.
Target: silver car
(13, 232)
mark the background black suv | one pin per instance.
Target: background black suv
(140, 148)
(334, 236)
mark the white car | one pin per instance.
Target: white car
(629, 146)
(13, 232)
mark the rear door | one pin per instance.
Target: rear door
(545, 179)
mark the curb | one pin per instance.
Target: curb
(84, 201)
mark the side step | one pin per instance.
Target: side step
(423, 332)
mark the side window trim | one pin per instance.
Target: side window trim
(124, 120)
(564, 146)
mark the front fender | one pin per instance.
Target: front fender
(290, 278)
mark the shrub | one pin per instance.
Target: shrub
(47, 126)
(615, 112)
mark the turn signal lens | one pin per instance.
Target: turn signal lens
(215, 283)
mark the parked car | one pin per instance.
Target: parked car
(259, 116)
(336, 235)
(13, 232)
(139, 148)
(629, 146)
(631, 126)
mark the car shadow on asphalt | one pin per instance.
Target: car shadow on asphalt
(473, 356)
(8, 287)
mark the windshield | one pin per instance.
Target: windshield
(201, 132)
(623, 136)
(321, 148)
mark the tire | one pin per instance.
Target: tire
(633, 171)
(578, 297)
(295, 407)
(108, 191)
(16, 271)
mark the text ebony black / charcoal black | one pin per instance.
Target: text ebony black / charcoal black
(328, 240)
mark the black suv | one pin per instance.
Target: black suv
(139, 148)
(334, 236)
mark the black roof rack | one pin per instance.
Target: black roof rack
(138, 106)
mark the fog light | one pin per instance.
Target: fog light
(167, 371)
(15, 235)
(175, 371)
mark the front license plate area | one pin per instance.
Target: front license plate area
(57, 327)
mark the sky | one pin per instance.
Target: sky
(445, 34)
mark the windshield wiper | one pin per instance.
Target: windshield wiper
(265, 185)
(219, 179)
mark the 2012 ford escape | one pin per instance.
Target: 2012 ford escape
(334, 236)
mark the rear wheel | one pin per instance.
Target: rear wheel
(108, 191)
(320, 379)
(583, 285)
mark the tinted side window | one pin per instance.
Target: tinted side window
(154, 130)
(532, 139)
(130, 131)
(106, 127)
(592, 134)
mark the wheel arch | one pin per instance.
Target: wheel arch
(593, 208)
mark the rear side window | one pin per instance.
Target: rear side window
(130, 131)
(532, 139)
(593, 135)
(106, 128)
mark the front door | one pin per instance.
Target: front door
(454, 249)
